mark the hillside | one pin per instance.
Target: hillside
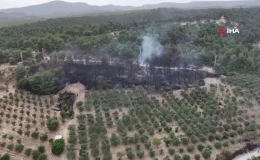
(61, 8)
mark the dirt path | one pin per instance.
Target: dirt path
(79, 90)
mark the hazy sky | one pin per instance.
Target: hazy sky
(22, 3)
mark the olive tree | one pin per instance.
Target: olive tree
(206, 153)
(52, 124)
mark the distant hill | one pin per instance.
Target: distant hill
(61, 8)
(205, 4)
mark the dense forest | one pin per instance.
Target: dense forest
(121, 35)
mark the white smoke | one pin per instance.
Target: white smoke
(150, 47)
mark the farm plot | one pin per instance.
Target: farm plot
(132, 124)
(26, 120)
(247, 86)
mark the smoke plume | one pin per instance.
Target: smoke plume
(150, 47)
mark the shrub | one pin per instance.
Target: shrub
(203, 138)
(218, 145)
(44, 137)
(140, 154)
(166, 158)
(28, 151)
(185, 157)
(194, 139)
(35, 135)
(161, 151)
(185, 140)
(10, 146)
(35, 155)
(206, 153)
(190, 148)
(171, 151)
(147, 144)
(211, 137)
(156, 142)
(58, 146)
(41, 149)
(130, 155)
(225, 144)
(176, 141)
(5, 157)
(52, 124)
(11, 137)
(43, 157)
(226, 127)
(50, 140)
(177, 157)
(3, 144)
(209, 147)
(151, 152)
(167, 141)
(115, 140)
(20, 131)
(63, 114)
(137, 147)
(19, 141)
(27, 133)
(200, 147)
(42, 123)
(197, 157)
(19, 148)
(232, 141)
